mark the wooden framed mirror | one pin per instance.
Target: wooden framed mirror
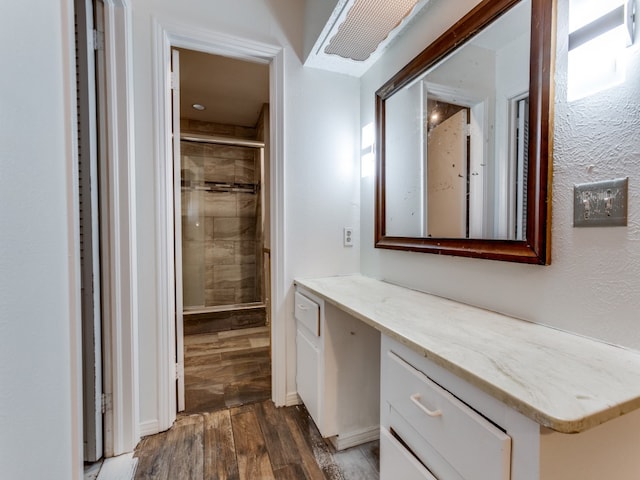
(464, 139)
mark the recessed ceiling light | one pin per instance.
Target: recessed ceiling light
(197, 106)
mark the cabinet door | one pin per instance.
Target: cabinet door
(307, 375)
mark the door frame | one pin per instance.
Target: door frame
(120, 278)
(90, 264)
(177, 226)
(478, 150)
(167, 36)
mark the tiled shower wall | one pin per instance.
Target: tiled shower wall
(220, 234)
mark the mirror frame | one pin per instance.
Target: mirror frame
(536, 249)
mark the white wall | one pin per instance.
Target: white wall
(317, 12)
(512, 79)
(592, 286)
(322, 171)
(321, 164)
(38, 316)
(404, 176)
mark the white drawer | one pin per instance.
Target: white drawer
(307, 313)
(422, 449)
(472, 445)
(396, 462)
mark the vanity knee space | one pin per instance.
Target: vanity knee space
(338, 371)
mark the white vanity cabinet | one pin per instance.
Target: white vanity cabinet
(457, 432)
(338, 371)
(452, 440)
(308, 354)
(465, 393)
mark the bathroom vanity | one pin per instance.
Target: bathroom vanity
(464, 393)
(338, 374)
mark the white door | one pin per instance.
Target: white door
(447, 178)
(89, 233)
(175, 89)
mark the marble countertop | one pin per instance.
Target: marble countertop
(562, 381)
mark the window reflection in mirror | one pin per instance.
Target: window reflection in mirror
(456, 140)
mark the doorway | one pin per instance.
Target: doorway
(222, 244)
(448, 166)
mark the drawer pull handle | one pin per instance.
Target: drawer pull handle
(415, 398)
(302, 307)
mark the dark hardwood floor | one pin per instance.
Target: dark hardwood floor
(251, 442)
(232, 431)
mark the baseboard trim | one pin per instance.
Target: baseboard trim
(122, 467)
(150, 427)
(357, 437)
(292, 399)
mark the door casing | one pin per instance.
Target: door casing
(89, 228)
(168, 36)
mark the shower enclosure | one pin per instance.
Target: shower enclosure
(222, 224)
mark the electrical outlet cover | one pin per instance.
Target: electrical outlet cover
(347, 237)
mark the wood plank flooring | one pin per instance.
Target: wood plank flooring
(227, 369)
(251, 442)
(232, 431)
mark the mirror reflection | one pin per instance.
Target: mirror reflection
(456, 140)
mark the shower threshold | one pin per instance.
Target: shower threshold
(222, 308)
(225, 317)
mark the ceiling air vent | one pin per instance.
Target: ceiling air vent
(368, 23)
(357, 32)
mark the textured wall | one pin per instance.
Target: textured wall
(592, 286)
(598, 138)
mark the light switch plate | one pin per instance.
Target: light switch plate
(601, 204)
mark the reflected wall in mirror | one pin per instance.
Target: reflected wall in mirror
(457, 173)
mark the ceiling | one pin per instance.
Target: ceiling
(232, 91)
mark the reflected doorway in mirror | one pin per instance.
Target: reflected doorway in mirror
(491, 62)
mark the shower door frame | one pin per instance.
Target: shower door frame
(178, 222)
(168, 36)
(232, 142)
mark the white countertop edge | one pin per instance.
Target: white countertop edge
(551, 406)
